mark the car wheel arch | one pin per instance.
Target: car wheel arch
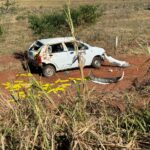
(95, 60)
(44, 64)
(98, 56)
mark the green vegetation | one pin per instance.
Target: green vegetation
(54, 23)
(1, 31)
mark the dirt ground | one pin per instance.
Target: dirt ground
(112, 94)
(139, 66)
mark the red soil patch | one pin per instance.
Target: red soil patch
(138, 69)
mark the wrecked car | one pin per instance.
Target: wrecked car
(56, 54)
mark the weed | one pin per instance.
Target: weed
(37, 122)
(33, 120)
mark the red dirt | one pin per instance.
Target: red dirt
(138, 69)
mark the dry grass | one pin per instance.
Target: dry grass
(129, 20)
(35, 121)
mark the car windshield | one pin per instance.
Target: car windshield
(36, 46)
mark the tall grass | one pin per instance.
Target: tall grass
(38, 122)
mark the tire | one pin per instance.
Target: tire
(96, 63)
(48, 70)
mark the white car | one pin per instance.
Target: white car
(55, 54)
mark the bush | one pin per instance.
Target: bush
(1, 30)
(47, 24)
(55, 23)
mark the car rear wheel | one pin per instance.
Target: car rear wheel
(48, 70)
(96, 63)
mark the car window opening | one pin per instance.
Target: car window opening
(36, 46)
(57, 48)
(70, 46)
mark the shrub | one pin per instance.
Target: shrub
(1, 30)
(47, 24)
(88, 13)
(54, 23)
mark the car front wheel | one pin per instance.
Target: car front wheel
(96, 63)
(48, 70)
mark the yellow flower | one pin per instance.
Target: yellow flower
(20, 75)
(16, 87)
(51, 90)
(21, 94)
(57, 81)
(46, 85)
(24, 75)
(26, 85)
(6, 84)
(29, 75)
(11, 100)
(18, 81)
(58, 89)
(65, 85)
(61, 81)
(45, 88)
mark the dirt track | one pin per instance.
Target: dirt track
(138, 69)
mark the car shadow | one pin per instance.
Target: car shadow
(22, 57)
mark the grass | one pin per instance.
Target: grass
(38, 122)
(129, 20)
(33, 118)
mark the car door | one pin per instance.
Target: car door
(59, 57)
(86, 53)
(72, 55)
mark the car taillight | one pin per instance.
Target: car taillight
(38, 59)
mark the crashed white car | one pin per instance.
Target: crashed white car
(55, 54)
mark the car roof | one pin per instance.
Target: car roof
(56, 40)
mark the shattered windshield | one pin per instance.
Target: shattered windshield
(36, 46)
